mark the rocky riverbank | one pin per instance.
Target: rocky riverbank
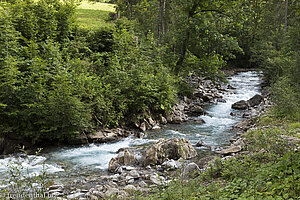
(140, 169)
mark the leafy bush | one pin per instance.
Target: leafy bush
(286, 96)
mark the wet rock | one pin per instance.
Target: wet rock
(99, 187)
(256, 100)
(221, 100)
(200, 143)
(129, 179)
(191, 170)
(177, 115)
(240, 105)
(230, 150)
(174, 148)
(98, 194)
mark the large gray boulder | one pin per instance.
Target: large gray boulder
(256, 100)
(163, 150)
(240, 105)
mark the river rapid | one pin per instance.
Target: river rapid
(68, 163)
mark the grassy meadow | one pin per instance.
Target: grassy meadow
(94, 14)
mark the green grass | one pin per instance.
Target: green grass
(94, 15)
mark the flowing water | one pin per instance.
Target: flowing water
(87, 160)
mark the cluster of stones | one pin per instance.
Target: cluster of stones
(131, 172)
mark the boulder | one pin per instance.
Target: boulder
(191, 170)
(124, 158)
(195, 110)
(163, 150)
(113, 165)
(200, 143)
(240, 105)
(256, 100)
(129, 158)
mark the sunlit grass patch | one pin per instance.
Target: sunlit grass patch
(94, 15)
(97, 6)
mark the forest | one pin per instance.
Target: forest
(59, 78)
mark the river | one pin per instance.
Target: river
(92, 160)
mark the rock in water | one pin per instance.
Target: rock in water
(254, 101)
(240, 105)
(200, 143)
(174, 148)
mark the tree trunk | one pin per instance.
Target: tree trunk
(285, 18)
(187, 38)
(163, 24)
(159, 22)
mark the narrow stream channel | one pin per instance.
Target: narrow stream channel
(75, 162)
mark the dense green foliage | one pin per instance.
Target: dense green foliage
(58, 79)
(193, 32)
